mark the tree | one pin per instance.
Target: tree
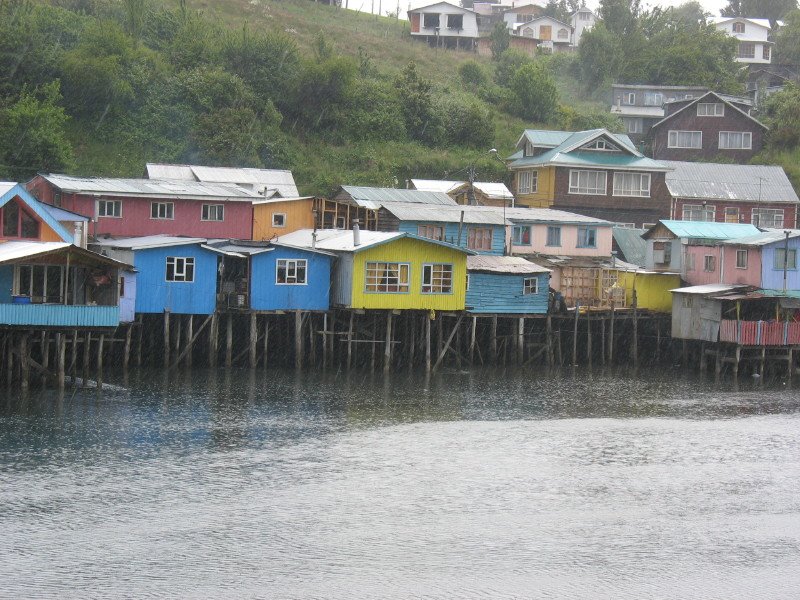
(788, 42)
(558, 9)
(535, 92)
(619, 16)
(33, 136)
(774, 10)
(473, 75)
(500, 39)
(416, 98)
(782, 114)
(507, 65)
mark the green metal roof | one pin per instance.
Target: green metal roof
(631, 244)
(707, 230)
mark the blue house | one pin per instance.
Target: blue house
(175, 274)
(482, 231)
(506, 285)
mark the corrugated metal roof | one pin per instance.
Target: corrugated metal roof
(497, 191)
(11, 251)
(492, 189)
(631, 244)
(546, 137)
(60, 214)
(337, 239)
(372, 197)
(5, 186)
(445, 214)
(762, 22)
(708, 230)
(148, 241)
(548, 215)
(749, 183)
(262, 181)
(637, 111)
(709, 288)
(151, 188)
(435, 185)
(764, 238)
(503, 264)
(240, 247)
(279, 200)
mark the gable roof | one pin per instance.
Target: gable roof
(516, 9)
(419, 8)
(10, 190)
(444, 214)
(765, 238)
(491, 189)
(714, 181)
(266, 182)
(23, 250)
(708, 230)
(765, 23)
(708, 288)
(341, 240)
(631, 244)
(516, 265)
(148, 241)
(435, 185)
(542, 138)
(725, 100)
(375, 197)
(568, 154)
(541, 18)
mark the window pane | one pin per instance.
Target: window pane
(30, 227)
(11, 219)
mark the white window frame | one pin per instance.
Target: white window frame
(180, 268)
(756, 217)
(746, 136)
(437, 275)
(637, 122)
(629, 98)
(381, 278)
(741, 264)
(168, 210)
(517, 240)
(283, 219)
(709, 263)
(587, 190)
(739, 52)
(729, 211)
(687, 211)
(528, 182)
(217, 211)
(102, 209)
(472, 238)
(292, 269)
(736, 26)
(673, 136)
(710, 109)
(657, 98)
(620, 184)
(530, 286)
(766, 52)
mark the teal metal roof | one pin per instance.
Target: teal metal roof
(37, 207)
(708, 230)
(631, 243)
(545, 137)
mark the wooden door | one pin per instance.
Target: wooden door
(546, 32)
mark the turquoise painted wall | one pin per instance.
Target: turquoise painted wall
(502, 293)
(451, 234)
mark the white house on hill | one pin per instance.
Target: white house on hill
(582, 20)
(552, 34)
(445, 24)
(753, 35)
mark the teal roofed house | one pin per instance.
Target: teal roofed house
(595, 173)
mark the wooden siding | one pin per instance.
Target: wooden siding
(299, 215)
(502, 293)
(545, 189)
(265, 294)
(700, 321)
(416, 253)
(58, 315)
(127, 302)
(569, 241)
(451, 234)
(772, 278)
(156, 295)
(652, 289)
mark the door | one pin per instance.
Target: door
(546, 32)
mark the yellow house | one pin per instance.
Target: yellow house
(390, 269)
(278, 216)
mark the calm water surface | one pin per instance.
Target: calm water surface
(483, 485)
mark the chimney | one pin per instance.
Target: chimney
(356, 233)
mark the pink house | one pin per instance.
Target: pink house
(722, 263)
(140, 207)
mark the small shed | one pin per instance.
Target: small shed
(506, 285)
(697, 311)
(274, 217)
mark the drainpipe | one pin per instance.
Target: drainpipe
(786, 259)
(356, 233)
(721, 264)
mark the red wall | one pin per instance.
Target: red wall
(745, 210)
(136, 221)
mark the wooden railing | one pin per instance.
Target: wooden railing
(759, 333)
(59, 315)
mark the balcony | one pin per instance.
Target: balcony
(759, 333)
(58, 315)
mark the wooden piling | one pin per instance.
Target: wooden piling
(213, 341)
(87, 343)
(635, 337)
(139, 339)
(266, 342)
(588, 338)
(45, 356)
(575, 335)
(611, 335)
(100, 348)
(427, 343)
(549, 340)
(387, 348)
(493, 340)
(189, 340)
(350, 340)
(126, 352)
(473, 339)
(61, 348)
(23, 361)
(603, 340)
(166, 339)
(520, 340)
(298, 339)
(253, 339)
(229, 342)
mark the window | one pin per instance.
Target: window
(341, 223)
(180, 269)
(662, 253)
(747, 50)
(629, 98)
(431, 232)
(780, 256)
(587, 237)
(685, 139)
(479, 238)
(709, 263)
(290, 271)
(386, 278)
(765, 51)
(585, 16)
(530, 285)
(563, 34)
(632, 184)
(212, 212)
(741, 259)
(625, 225)
(710, 109)
(57, 198)
(735, 140)
(279, 220)
(530, 149)
(601, 145)
(633, 125)
(521, 235)
(690, 262)
(653, 98)
(553, 235)
(455, 22)
(162, 210)
(731, 214)
(587, 182)
(737, 27)
(698, 212)
(17, 223)
(437, 279)
(768, 217)
(528, 182)
(42, 284)
(430, 20)
(109, 208)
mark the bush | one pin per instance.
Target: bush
(467, 122)
(507, 65)
(473, 75)
(535, 92)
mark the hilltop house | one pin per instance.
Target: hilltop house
(516, 15)
(550, 34)
(753, 35)
(136, 207)
(445, 24)
(710, 126)
(595, 173)
(582, 20)
(757, 194)
(269, 183)
(641, 106)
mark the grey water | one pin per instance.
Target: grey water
(490, 484)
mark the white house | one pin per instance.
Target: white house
(550, 32)
(582, 20)
(445, 24)
(753, 35)
(521, 14)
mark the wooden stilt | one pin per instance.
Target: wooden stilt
(10, 360)
(737, 357)
(61, 348)
(298, 339)
(213, 341)
(575, 335)
(387, 348)
(473, 339)
(312, 340)
(520, 340)
(266, 342)
(229, 342)
(45, 356)
(139, 337)
(493, 340)
(611, 335)
(412, 343)
(126, 352)
(253, 339)
(427, 343)
(190, 339)
(658, 341)
(603, 340)
(23, 361)
(374, 342)
(325, 341)
(350, 340)
(549, 341)
(166, 339)
(635, 338)
(100, 347)
(178, 333)
(87, 343)
(588, 338)
(446, 346)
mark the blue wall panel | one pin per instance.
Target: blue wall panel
(58, 315)
(154, 294)
(6, 283)
(265, 294)
(451, 234)
(502, 293)
(772, 278)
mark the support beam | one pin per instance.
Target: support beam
(298, 339)
(253, 339)
(229, 342)
(387, 348)
(166, 339)
(61, 348)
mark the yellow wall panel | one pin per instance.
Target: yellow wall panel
(298, 213)
(545, 192)
(652, 289)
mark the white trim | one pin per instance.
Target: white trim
(106, 202)
(746, 135)
(296, 263)
(670, 144)
(186, 261)
(278, 214)
(159, 204)
(576, 189)
(206, 207)
(422, 281)
(644, 191)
